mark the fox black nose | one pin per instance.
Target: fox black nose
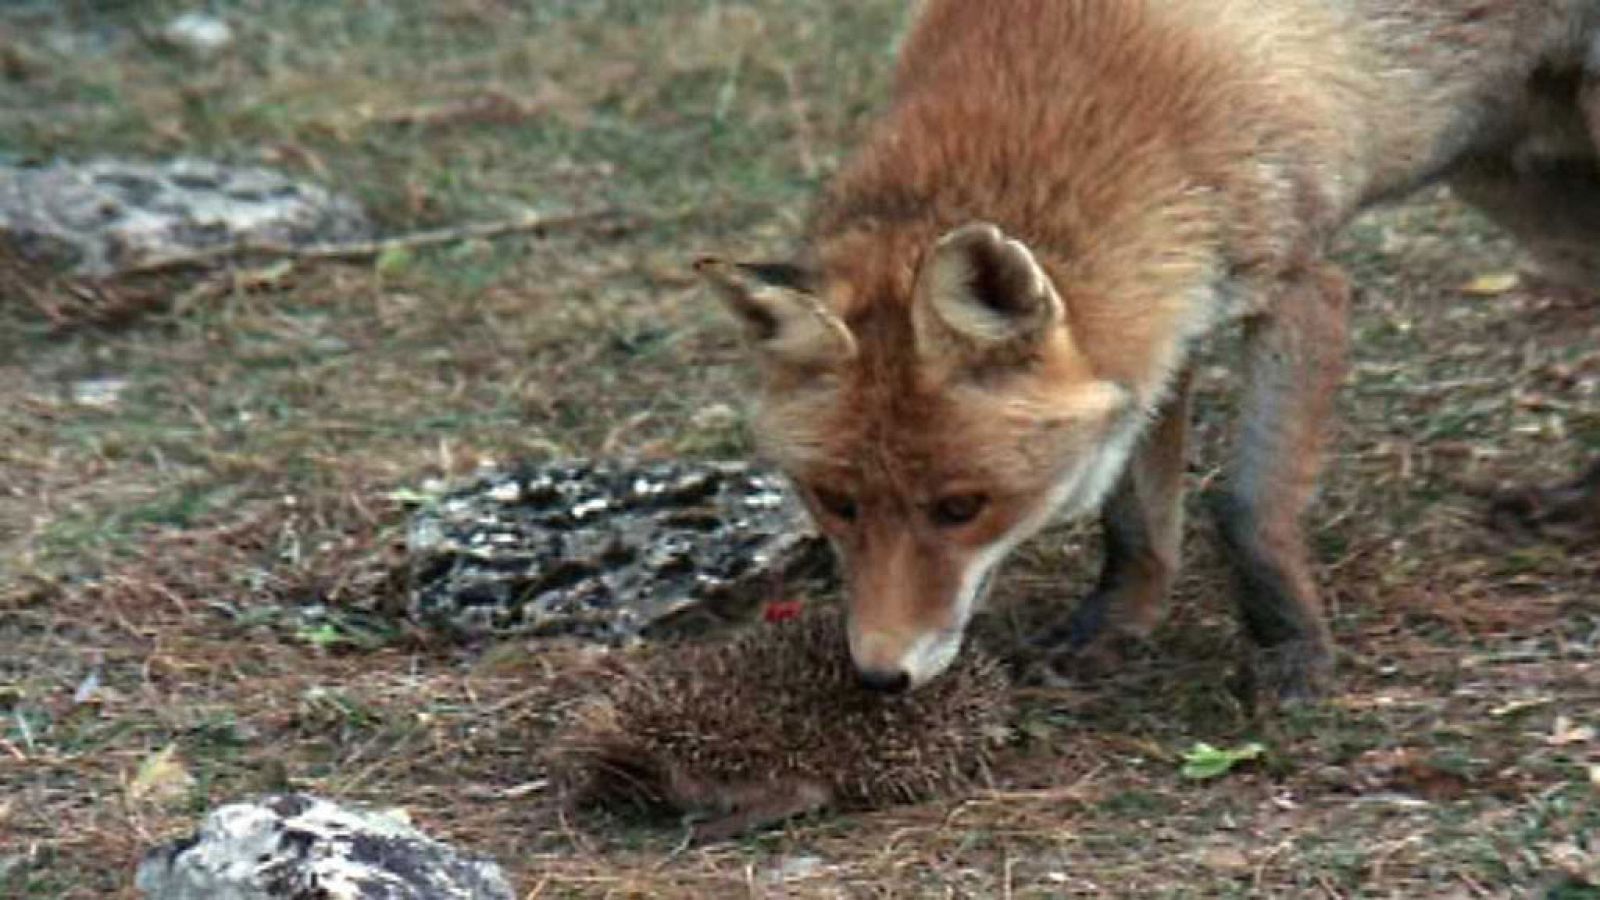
(892, 681)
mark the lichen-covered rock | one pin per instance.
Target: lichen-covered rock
(610, 551)
(296, 847)
(107, 215)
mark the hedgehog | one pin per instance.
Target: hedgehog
(773, 724)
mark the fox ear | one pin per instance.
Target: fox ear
(981, 295)
(785, 323)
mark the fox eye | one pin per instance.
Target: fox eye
(840, 506)
(957, 509)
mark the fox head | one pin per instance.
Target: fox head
(932, 415)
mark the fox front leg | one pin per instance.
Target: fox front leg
(1142, 526)
(1295, 361)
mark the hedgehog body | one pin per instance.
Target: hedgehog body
(775, 723)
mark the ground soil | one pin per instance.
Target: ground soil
(202, 475)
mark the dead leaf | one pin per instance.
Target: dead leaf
(1491, 284)
(1574, 861)
(398, 814)
(162, 779)
(267, 277)
(1405, 770)
(488, 106)
(1564, 732)
(1516, 706)
(1225, 860)
(87, 688)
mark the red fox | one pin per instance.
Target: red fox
(990, 322)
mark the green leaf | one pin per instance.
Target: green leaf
(1491, 284)
(325, 634)
(344, 630)
(393, 261)
(1204, 761)
(162, 779)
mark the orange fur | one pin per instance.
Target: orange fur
(1149, 169)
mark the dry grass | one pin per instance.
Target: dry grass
(203, 563)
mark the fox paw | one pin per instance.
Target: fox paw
(1088, 645)
(1293, 673)
(1107, 656)
(1566, 512)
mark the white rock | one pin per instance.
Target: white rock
(198, 33)
(295, 846)
(99, 393)
(794, 868)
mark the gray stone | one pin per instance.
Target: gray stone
(106, 215)
(610, 551)
(297, 847)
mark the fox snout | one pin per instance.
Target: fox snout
(893, 662)
(886, 681)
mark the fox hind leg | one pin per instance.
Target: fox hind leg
(1589, 92)
(1550, 204)
(1546, 192)
(1553, 208)
(1545, 187)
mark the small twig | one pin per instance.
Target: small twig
(364, 249)
(800, 122)
(24, 730)
(1387, 852)
(1431, 388)
(1261, 868)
